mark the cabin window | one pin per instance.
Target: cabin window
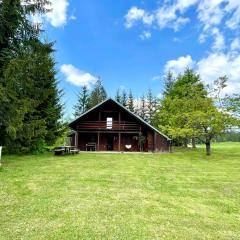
(109, 123)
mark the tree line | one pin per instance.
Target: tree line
(30, 108)
(144, 107)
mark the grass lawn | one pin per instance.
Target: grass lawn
(183, 195)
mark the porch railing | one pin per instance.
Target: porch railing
(102, 125)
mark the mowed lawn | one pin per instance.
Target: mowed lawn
(183, 195)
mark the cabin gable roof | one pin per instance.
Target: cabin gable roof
(71, 124)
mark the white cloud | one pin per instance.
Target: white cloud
(233, 7)
(136, 14)
(155, 78)
(182, 5)
(179, 65)
(211, 15)
(219, 41)
(210, 68)
(220, 64)
(167, 17)
(58, 14)
(145, 35)
(202, 38)
(235, 45)
(122, 87)
(72, 17)
(77, 77)
(218, 13)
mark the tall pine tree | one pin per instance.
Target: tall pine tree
(118, 96)
(151, 103)
(97, 95)
(142, 110)
(29, 107)
(168, 82)
(124, 98)
(130, 101)
(82, 102)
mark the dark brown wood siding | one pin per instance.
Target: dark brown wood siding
(150, 141)
(161, 144)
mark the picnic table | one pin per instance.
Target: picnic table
(64, 150)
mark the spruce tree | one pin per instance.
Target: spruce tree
(30, 106)
(142, 110)
(151, 106)
(82, 102)
(118, 96)
(124, 98)
(97, 95)
(169, 81)
(33, 72)
(130, 102)
(50, 107)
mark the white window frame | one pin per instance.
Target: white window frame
(109, 123)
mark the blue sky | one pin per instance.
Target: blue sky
(131, 44)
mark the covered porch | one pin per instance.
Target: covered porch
(107, 141)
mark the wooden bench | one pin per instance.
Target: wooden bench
(59, 151)
(73, 151)
(65, 150)
(91, 146)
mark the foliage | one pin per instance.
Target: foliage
(142, 110)
(178, 105)
(169, 81)
(141, 141)
(187, 112)
(124, 98)
(232, 104)
(97, 95)
(118, 96)
(82, 102)
(127, 100)
(30, 108)
(130, 102)
(151, 103)
(229, 136)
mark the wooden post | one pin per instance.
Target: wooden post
(98, 141)
(119, 134)
(119, 141)
(76, 139)
(119, 119)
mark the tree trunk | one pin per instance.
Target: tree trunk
(185, 143)
(193, 142)
(208, 147)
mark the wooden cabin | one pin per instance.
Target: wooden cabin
(109, 126)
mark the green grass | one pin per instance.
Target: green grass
(183, 195)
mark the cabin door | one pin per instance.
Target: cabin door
(110, 139)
